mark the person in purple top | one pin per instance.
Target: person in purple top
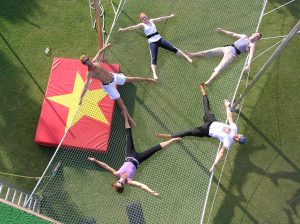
(133, 159)
(230, 52)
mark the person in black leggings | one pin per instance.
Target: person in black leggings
(212, 128)
(132, 161)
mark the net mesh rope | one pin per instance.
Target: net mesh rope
(75, 190)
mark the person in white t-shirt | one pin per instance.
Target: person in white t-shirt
(155, 41)
(227, 134)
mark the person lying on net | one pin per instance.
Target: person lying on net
(155, 41)
(133, 160)
(212, 128)
(108, 80)
(230, 52)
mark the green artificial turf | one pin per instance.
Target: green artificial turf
(256, 184)
(12, 215)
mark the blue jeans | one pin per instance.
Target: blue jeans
(160, 43)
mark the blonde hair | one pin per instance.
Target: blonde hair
(142, 14)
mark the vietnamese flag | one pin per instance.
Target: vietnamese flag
(88, 127)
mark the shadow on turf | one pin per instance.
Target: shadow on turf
(19, 11)
(165, 127)
(269, 142)
(18, 126)
(246, 166)
(22, 64)
(293, 7)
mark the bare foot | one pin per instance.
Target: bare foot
(91, 159)
(189, 59)
(189, 54)
(163, 135)
(155, 77)
(202, 88)
(177, 139)
(131, 122)
(155, 80)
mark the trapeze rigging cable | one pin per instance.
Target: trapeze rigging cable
(222, 170)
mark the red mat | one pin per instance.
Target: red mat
(90, 129)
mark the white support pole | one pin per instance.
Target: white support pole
(20, 198)
(288, 38)
(7, 194)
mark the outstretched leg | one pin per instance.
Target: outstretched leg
(129, 148)
(208, 53)
(124, 111)
(208, 115)
(153, 48)
(141, 157)
(182, 54)
(197, 132)
(213, 76)
(168, 46)
(227, 59)
(153, 68)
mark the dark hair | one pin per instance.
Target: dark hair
(84, 59)
(117, 188)
(260, 35)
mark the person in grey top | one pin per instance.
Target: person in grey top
(230, 52)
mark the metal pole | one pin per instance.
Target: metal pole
(291, 34)
(96, 5)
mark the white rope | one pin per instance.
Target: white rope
(56, 151)
(16, 175)
(268, 38)
(234, 95)
(116, 17)
(267, 49)
(112, 4)
(91, 13)
(216, 192)
(279, 7)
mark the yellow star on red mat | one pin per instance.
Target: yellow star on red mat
(89, 106)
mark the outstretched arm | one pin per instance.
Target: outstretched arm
(142, 186)
(230, 33)
(103, 165)
(130, 28)
(251, 53)
(228, 112)
(162, 18)
(218, 158)
(85, 88)
(99, 53)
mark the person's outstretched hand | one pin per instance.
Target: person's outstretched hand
(227, 103)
